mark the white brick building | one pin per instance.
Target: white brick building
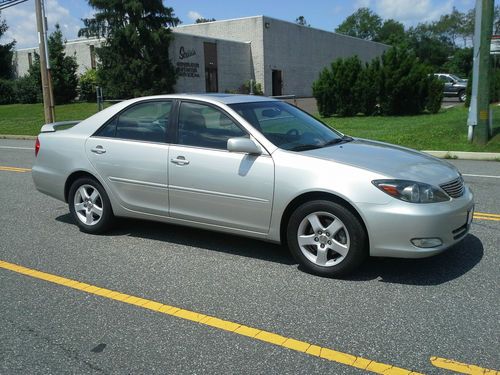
(283, 57)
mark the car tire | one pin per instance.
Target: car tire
(462, 96)
(326, 238)
(90, 206)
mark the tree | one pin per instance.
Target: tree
(6, 53)
(496, 21)
(301, 20)
(62, 67)
(430, 48)
(403, 83)
(391, 32)
(203, 20)
(363, 24)
(133, 59)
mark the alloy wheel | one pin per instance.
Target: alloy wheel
(323, 239)
(88, 205)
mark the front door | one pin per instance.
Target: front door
(130, 155)
(211, 185)
(277, 83)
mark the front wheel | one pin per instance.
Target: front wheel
(90, 206)
(326, 238)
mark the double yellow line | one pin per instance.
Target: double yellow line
(486, 216)
(14, 169)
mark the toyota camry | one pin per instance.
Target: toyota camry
(256, 167)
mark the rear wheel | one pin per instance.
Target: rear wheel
(326, 238)
(90, 206)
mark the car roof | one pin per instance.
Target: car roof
(212, 97)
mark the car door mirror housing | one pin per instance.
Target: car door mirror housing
(246, 145)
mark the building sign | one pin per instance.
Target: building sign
(495, 45)
(184, 54)
(185, 68)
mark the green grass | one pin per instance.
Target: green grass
(27, 119)
(445, 130)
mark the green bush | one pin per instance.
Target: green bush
(434, 95)
(27, 90)
(404, 80)
(368, 87)
(347, 94)
(494, 87)
(87, 86)
(324, 92)
(396, 84)
(257, 88)
(7, 91)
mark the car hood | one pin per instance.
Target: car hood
(389, 160)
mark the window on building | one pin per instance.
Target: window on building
(30, 59)
(92, 57)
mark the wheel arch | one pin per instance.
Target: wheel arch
(317, 195)
(75, 176)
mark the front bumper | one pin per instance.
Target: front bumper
(391, 227)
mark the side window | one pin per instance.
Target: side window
(445, 79)
(204, 126)
(141, 122)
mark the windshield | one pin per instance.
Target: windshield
(287, 126)
(456, 78)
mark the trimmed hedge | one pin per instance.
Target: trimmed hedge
(395, 84)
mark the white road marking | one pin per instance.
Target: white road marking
(18, 148)
(479, 175)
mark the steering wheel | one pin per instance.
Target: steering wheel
(293, 132)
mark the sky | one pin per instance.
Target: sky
(321, 14)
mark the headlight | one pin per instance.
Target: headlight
(411, 191)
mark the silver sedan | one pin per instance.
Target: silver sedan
(256, 167)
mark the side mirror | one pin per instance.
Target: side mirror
(242, 144)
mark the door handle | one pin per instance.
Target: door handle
(98, 150)
(180, 160)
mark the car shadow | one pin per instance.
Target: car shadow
(193, 237)
(435, 270)
(439, 269)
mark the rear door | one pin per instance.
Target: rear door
(130, 154)
(211, 185)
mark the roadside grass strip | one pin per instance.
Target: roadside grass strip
(225, 325)
(462, 368)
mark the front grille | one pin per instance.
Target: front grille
(455, 188)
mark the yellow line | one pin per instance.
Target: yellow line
(478, 217)
(463, 368)
(14, 169)
(487, 214)
(239, 329)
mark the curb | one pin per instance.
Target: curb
(463, 155)
(21, 137)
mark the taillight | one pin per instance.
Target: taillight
(37, 146)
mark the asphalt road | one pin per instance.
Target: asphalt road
(396, 312)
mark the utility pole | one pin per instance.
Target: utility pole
(478, 120)
(48, 98)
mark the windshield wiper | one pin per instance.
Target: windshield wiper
(304, 147)
(337, 141)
